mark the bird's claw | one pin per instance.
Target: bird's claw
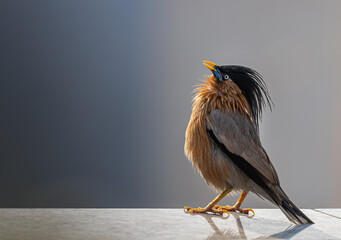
(207, 210)
(235, 209)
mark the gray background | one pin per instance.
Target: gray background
(96, 96)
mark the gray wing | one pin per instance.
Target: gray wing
(238, 135)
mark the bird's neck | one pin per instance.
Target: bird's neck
(225, 96)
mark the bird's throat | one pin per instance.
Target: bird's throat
(225, 96)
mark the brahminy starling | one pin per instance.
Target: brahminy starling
(223, 143)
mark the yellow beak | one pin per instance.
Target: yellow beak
(210, 65)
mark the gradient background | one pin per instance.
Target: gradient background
(96, 96)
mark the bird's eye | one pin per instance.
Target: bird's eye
(226, 77)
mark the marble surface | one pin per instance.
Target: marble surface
(162, 224)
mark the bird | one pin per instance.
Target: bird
(223, 143)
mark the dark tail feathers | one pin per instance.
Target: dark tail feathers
(292, 212)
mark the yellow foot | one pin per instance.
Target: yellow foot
(206, 210)
(234, 209)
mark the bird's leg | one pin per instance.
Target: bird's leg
(211, 206)
(236, 207)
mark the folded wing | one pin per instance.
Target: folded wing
(238, 135)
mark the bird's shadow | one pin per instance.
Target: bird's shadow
(230, 233)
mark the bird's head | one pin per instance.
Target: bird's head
(249, 81)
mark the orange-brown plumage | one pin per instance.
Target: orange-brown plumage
(210, 95)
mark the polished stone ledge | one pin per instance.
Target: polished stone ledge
(162, 224)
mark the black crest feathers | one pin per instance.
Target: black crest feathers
(253, 87)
